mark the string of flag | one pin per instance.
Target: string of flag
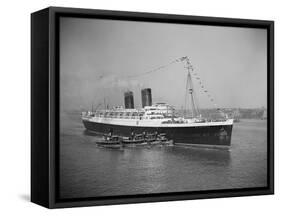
(190, 68)
(201, 85)
(153, 70)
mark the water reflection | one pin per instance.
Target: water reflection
(215, 156)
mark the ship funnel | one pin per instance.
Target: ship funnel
(129, 100)
(146, 97)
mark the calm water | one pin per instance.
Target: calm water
(88, 171)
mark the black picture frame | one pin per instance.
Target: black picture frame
(45, 106)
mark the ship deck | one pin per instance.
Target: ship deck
(154, 122)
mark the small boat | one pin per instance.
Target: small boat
(110, 142)
(133, 141)
(153, 139)
(162, 141)
(150, 138)
(162, 137)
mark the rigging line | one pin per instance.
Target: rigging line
(190, 88)
(203, 89)
(194, 101)
(152, 71)
(185, 97)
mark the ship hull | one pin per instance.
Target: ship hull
(218, 135)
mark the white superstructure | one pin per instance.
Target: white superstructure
(157, 115)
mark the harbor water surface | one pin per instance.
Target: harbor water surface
(90, 171)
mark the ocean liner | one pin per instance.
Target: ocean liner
(183, 129)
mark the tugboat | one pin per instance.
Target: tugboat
(183, 129)
(145, 139)
(136, 140)
(161, 140)
(151, 137)
(110, 141)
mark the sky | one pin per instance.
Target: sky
(101, 59)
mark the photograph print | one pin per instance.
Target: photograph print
(152, 108)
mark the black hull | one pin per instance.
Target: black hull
(201, 135)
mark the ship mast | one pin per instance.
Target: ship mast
(190, 99)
